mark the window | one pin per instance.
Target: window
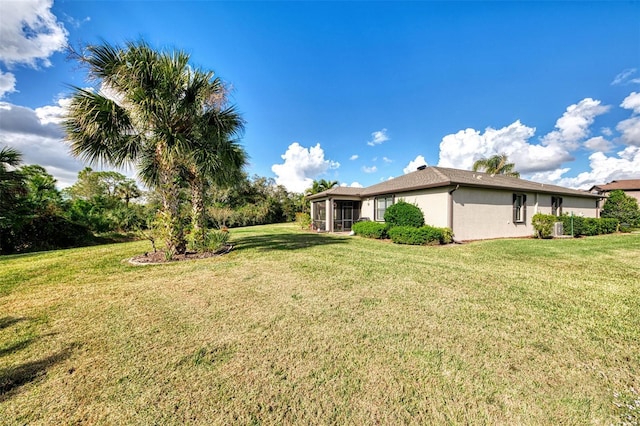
(556, 206)
(519, 208)
(381, 206)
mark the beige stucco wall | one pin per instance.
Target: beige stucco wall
(486, 213)
(578, 206)
(432, 202)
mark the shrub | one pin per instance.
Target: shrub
(543, 224)
(370, 229)
(46, 232)
(303, 220)
(447, 236)
(588, 226)
(404, 214)
(622, 207)
(419, 236)
(208, 240)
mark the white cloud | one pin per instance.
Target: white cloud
(606, 131)
(462, 149)
(353, 185)
(626, 165)
(30, 33)
(630, 130)
(632, 102)
(598, 144)
(414, 164)
(574, 124)
(301, 166)
(623, 76)
(387, 160)
(378, 137)
(354, 157)
(40, 143)
(7, 83)
(36, 134)
(53, 113)
(371, 169)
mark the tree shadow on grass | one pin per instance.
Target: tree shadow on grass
(284, 241)
(6, 322)
(13, 378)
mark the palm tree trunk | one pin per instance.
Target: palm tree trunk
(171, 224)
(198, 220)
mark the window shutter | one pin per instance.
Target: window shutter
(514, 208)
(560, 205)
(524, 207)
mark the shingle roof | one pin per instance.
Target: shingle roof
(628, 184)
(434, 177)
(338, 190)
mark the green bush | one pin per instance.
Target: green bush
(424, 235)
(303, 220)
(447, 236)
(46, 232)
(208, 240)
(370, 229)
(543, 224)
(404, 214)
(588, 226)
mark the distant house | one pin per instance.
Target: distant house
(474, 205)
(631, 187)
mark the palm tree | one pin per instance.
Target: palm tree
(12, 183)
(218, 160)
(157, 117)
(320, 186)
(10, 159)
(126, 190)
(496, 165)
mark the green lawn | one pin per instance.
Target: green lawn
(301, 328)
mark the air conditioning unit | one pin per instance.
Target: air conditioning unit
(558, 229)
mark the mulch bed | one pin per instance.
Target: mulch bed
(158, 257)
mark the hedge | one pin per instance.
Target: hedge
(370, 229)
(588, 226)
(424, 235)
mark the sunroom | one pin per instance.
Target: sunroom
(335, 210)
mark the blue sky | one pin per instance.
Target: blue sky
(361, 91)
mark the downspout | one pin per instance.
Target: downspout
(450, 219)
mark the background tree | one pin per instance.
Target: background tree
(496, 165)
(100, 200)
(31, 209)
(622, 207)
(321, 185)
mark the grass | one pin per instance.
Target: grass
(295, 327)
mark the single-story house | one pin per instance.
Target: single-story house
(474, 205)
(631, 187)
